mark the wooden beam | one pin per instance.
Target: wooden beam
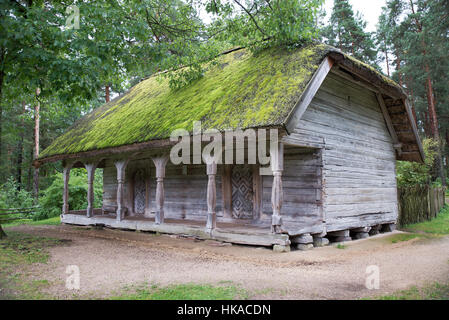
(389, 124)
(226, 188)
(362, 72)
(277, 193)
(211, 223)
(411, 118)
(121, 168)
(348, 76)
(160, 163)
(65, 194)
(308, 94)
(90, 167)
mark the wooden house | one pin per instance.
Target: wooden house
(341, 124)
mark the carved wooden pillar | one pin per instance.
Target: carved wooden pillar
(65, 194)
(211, 195)
(90, 167)
(277, 194)
(121, 168)
(160, 163)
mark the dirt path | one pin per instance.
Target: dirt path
(111, 259)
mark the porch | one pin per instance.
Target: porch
(223, 231)
(237, 203)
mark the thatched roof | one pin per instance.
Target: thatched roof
(240, 90)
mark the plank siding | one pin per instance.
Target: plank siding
(359, 179)
(185, 191)
(301, 181)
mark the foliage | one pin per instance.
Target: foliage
(11, 197)
(435, 291)
(346, 31)
(413, 34)
(51, 200)
(413, 173)
(260, 23)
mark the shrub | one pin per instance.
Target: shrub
(413, 173)
(11, 197)
(51, 199)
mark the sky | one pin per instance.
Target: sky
(370, 10)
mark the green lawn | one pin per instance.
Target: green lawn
(435, 291)
(50, 221)
(438, 225)
(188, 291)
(17, 251)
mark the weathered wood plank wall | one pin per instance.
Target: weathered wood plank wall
(358, 156)
(301, 181)
(185, 189)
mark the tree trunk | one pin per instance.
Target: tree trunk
(30, 169)
(36, 147)
(2, 233)
(107, 94)
(20, 149)
(386, 61)
(2, 74)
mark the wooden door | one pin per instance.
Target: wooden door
(242, 192)
(139, 191)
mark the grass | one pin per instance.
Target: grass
(340, 246)
(188, 291)
(438, 225)
(18, 251)
(50, 221)
(432, 229)
(402, 237)
(435, 291)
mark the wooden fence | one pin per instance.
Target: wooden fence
(419, 203)
(8, 215)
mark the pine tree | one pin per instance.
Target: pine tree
(416, 34)
(346, 31)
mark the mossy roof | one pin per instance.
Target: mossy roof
(240, 90)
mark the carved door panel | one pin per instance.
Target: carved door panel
(139, 192)
(242, 192)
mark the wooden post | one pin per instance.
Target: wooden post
(121, 168)
(211, 195)
(90, 167)
(65, 194)
(277, 194)
(160, 163)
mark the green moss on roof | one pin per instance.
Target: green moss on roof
(241, 90)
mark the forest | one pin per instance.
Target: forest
(59, 60)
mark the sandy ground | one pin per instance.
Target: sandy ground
(111, 259)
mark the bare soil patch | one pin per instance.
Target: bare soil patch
(112, 259)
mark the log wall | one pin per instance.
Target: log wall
(301, 181)
(359, 179)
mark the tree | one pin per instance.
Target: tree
(417, 32)
(263, 23)
(346, 32)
